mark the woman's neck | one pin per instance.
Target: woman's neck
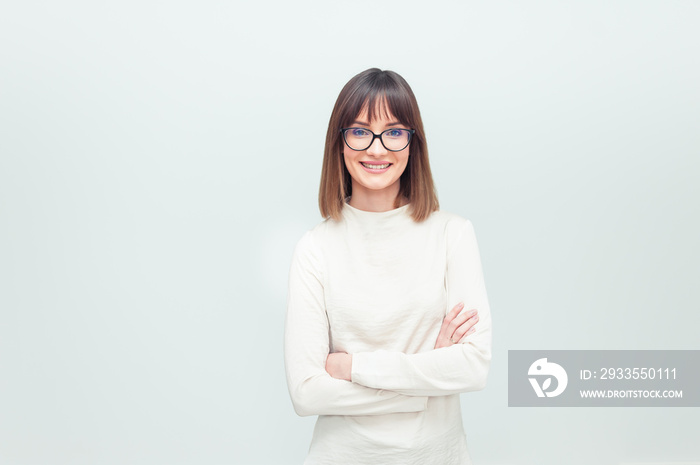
(375, 200)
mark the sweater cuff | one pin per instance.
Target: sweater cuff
(371, 369)
(358, 369)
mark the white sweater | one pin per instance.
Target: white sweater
(377, 285)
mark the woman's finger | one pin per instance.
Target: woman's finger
(465, 328)
(458, 322)
(448, 319)
(466, 336)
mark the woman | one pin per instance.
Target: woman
(370, 346)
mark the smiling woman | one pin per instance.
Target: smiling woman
(387, 315)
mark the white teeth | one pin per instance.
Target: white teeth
(376, 167)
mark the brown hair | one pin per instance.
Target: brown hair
(377, 91)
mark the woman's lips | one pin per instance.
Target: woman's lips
(375, 167)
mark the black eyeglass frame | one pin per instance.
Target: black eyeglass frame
(344, 131)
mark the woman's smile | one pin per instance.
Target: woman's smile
(376, 167)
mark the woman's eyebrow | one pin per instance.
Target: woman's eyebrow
(365, 123)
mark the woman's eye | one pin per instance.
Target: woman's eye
(359, 132)
(395, 133)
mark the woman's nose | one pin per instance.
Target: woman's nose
(376, 147)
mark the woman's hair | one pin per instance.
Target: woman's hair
(377, 92)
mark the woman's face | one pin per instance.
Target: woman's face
(376, 169)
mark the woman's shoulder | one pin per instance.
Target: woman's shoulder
(310, 240)
(453, 227)
(449, 221)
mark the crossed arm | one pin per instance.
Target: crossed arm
(455, 328)
(383, 381)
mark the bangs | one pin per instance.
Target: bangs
(377, 107)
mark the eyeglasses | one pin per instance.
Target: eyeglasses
(394, 140)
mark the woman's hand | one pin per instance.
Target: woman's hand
(456, 327)
(339, 365)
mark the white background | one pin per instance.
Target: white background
(159, 160)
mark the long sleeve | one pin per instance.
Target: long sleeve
(313, 391)
(449, 370)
